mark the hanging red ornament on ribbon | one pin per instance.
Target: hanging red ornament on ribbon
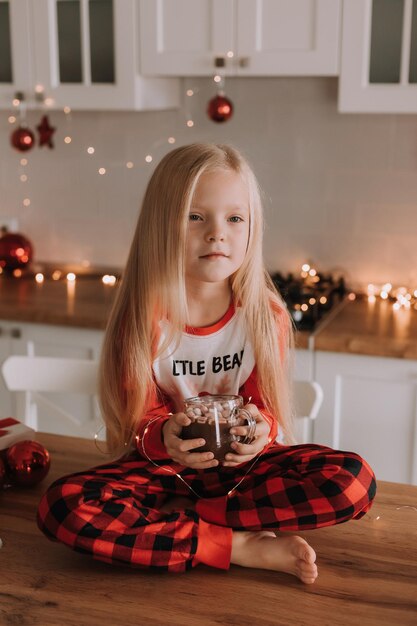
(16, 251)
(27, 463)
(220, 108)
(45, 131)
(22, 139)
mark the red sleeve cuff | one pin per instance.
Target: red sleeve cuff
(150, 442)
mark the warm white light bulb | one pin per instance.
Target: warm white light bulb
(305, 267)
(26, 202)
(90, 150)
(71, 277)
(108, 279)
(39, 278)
(190, 123)
(148, 158)
(129, 165)
(102, 171)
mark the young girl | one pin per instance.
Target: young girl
(197, 313)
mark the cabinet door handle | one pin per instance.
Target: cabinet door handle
(16, 333)
(244, 62)
(219, 62)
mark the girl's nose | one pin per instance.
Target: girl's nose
(215, 233)
(216, 237)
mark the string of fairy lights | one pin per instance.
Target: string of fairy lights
(18, 117)
(400, 297)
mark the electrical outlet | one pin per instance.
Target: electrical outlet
(10, 223)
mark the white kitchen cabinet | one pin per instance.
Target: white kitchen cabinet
(378, 72)
(267, 37)
(65, 414)
(82, 53)
(370, 407)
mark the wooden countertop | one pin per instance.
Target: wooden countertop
(374, 329)
(355, 327)
(367, 571)
(86, 303)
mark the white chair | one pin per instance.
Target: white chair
(308, 397)
(35, 375)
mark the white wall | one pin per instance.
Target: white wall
(340, 190)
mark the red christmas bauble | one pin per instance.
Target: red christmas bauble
(16, 251)
(22, 139)
(220, 108)
(27, 463)
(2, 473)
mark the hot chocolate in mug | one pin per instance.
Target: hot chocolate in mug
(212, 417)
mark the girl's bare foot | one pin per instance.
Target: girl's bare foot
(264, 550)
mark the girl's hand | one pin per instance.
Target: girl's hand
(246, 452)
(180, 450)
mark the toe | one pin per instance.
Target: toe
(306, 570)
(305, 552)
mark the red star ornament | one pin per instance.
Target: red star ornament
(45, 132)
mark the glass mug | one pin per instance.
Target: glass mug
(212, 417)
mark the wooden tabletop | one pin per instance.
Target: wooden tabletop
(367, 572)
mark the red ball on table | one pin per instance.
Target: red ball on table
(27, 463)
(2, 473)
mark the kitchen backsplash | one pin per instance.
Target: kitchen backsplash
(340, 190)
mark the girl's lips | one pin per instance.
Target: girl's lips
(213, 254)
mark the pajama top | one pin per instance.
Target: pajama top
(216, 359)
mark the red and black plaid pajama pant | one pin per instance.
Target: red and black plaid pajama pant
(113, 511)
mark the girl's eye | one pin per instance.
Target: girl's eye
(194, 217)
(236, 218)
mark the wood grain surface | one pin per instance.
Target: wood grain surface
(374, 329)
(367, 572)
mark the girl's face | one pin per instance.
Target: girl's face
(218, 228)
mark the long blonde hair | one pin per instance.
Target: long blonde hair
(153, 288)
